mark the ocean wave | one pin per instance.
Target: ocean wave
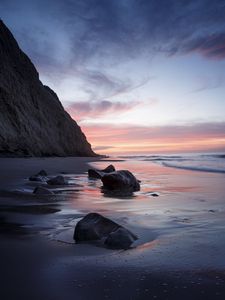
(204, 162)
(154, 157)
(177, 158)
(214, 155)
(194, 168)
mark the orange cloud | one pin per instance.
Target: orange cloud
(158, 139)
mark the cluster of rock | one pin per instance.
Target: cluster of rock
(95, 227)
(42, 177)
(122, 181)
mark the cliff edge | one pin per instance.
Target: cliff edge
(32, 119)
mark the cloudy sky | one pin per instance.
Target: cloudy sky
(139, 76)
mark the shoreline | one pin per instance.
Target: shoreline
(177, 254)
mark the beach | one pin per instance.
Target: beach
(178, 216)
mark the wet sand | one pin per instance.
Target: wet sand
(179, 253)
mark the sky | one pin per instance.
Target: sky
(139, 76)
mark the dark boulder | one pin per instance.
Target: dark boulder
(93, 227)
(95, 173)
(40, 190)
(58, 180)
(121, 180)
(96, 227)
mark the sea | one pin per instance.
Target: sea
(212, 162)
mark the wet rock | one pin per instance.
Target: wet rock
(40, 190)
(58, 180)
(154, 195)
(94, 173)
(121, 180)
(37, 178)
(40, 176)
(120, 239)
(96, 227)
(109, 169)
(93, 227)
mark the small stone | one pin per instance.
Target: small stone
(37, 178)
(58, 180)
(40, 176)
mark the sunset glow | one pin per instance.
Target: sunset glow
(112, 149)
(155, 84)
(152, 140)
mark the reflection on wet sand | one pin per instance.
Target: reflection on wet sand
(180, 250)
(176, 206)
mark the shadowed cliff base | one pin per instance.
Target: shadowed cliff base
(33, 121)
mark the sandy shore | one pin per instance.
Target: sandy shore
(179, 254)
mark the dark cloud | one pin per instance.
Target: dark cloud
(100, 85)
(111, 31)
(107, 86)
(124, 28)
(211, 46)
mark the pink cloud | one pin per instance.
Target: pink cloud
(92, 109)
(140, 139)
(212, 46)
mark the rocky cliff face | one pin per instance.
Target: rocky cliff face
(32, 119)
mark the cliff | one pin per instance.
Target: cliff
(32, 119)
